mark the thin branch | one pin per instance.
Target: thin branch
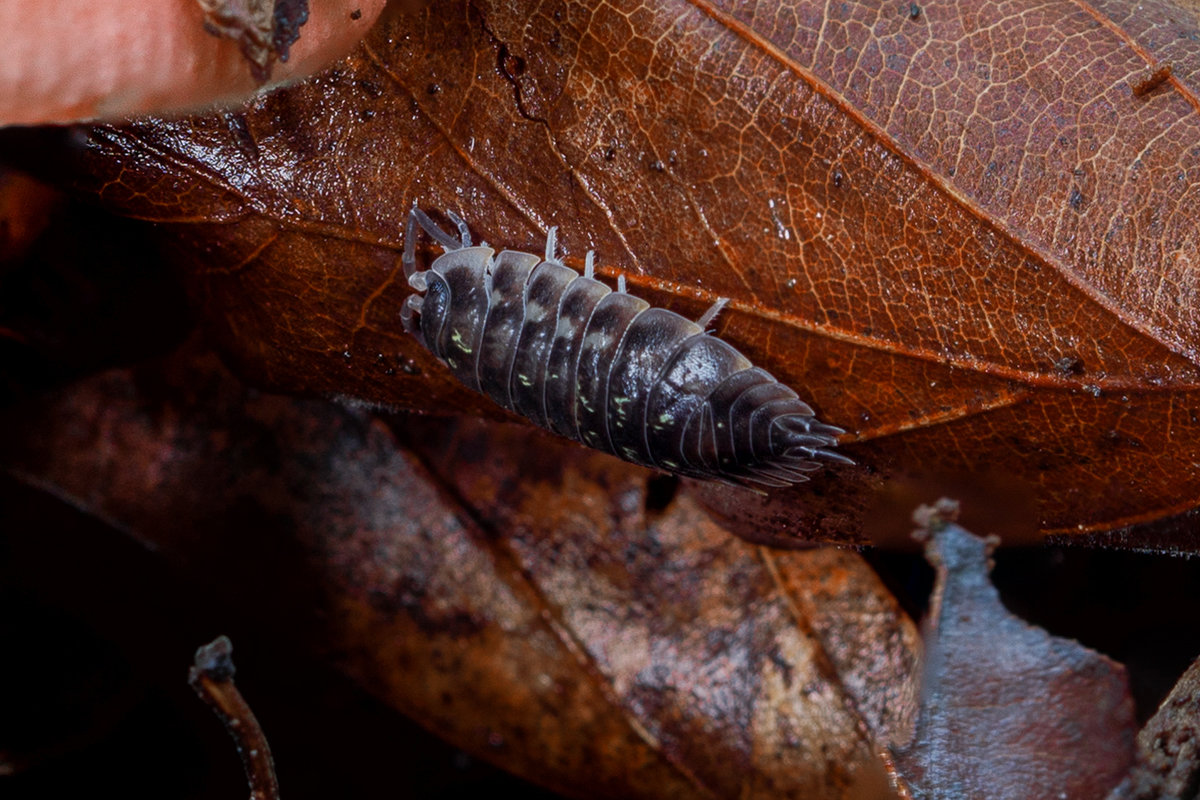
(212, 679)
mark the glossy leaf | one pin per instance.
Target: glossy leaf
(965, 234)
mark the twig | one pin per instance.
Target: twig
(212, 679)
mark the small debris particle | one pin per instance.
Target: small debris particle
(1069, 365)
(511, 65)
(215, 659)
(1149, 81)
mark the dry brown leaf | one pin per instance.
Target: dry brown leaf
(548, 621)
(221, 480)
(1168, 748)
(1007, 710)
(965, 234)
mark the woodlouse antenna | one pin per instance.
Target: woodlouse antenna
(409, 259)
(447, 241)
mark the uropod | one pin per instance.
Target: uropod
(605, 368)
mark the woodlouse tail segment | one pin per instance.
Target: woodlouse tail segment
(799, 437)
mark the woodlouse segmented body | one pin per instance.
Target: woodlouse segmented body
(605, 368)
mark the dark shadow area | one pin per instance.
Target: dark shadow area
(99, 634)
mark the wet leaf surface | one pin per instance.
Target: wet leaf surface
(926, 221)
(1007, 710)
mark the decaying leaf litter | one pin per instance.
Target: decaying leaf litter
(1125, 381)
(1016, 308)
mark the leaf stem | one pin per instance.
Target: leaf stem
(212, 679)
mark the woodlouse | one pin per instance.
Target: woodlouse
(605, 368)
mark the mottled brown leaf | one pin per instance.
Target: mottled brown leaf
(966, 234)
(1168, 747)
(1007, 710)
(546, 615)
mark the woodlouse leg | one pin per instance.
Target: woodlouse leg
(621, 283)
(589, 265)
(708, 316)
(409, 259)
(464, 232)
(551, 244)
(408, 314)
